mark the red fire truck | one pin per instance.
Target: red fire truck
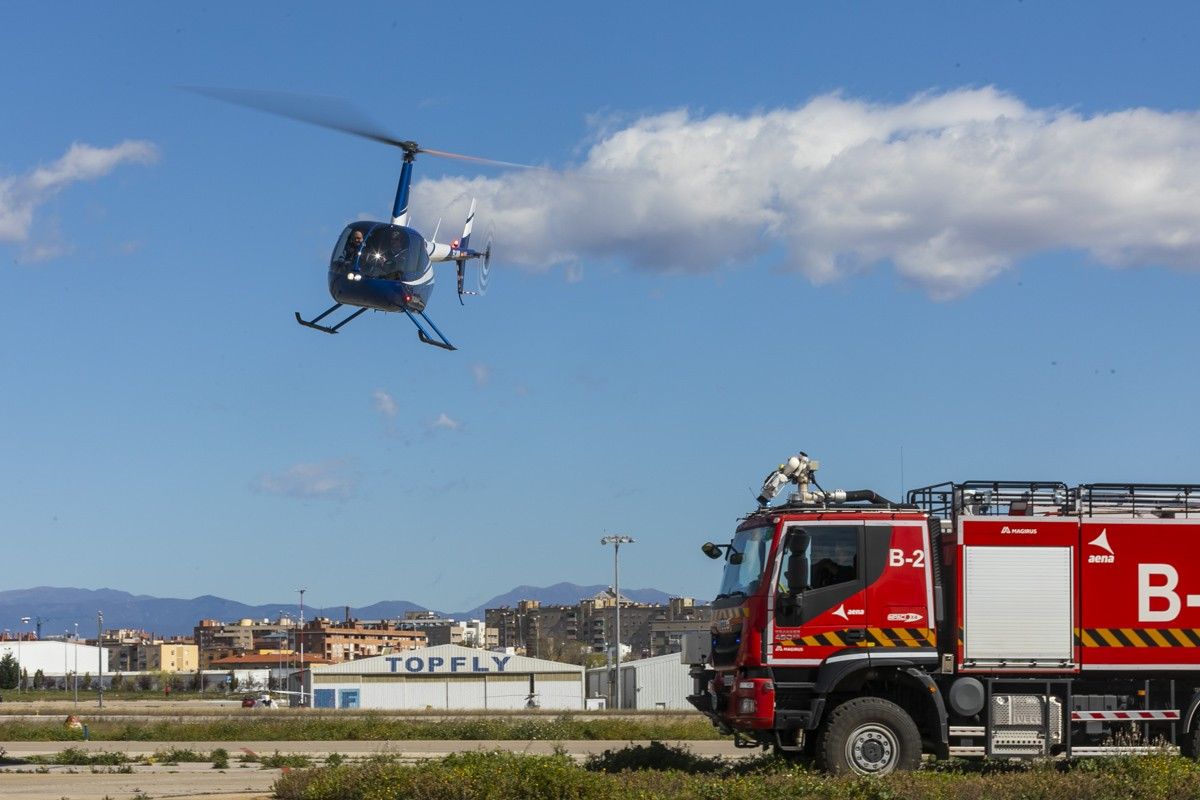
(983, 618)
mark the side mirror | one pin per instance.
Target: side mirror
(788, 605)
(797, 564)
(797, 573)
(711, 550)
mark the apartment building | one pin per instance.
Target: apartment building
(348, 640)
(442, 630)
(564, 632)
(215, 639)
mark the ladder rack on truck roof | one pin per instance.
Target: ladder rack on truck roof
(1052, 498)
(1164, 500)
(991, 498)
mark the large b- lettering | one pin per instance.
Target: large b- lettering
(1151, 588)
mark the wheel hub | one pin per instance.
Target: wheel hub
(872, 750)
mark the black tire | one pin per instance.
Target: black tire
(869, 736)
(1189, 744)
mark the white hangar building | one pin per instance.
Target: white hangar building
(57, 657)
(661, 683)
(446, 677)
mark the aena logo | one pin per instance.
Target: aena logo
(1101, 541)
(845, 613)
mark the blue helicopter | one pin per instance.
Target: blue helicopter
(387, 266)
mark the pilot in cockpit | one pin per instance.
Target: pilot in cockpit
(352, 245)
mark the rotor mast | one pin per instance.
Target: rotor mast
(400, 207)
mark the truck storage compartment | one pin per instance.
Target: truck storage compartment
(1017, 607)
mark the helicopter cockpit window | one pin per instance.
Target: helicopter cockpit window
(348, 245)
(393, 253)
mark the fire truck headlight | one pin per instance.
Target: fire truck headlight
(747, 705)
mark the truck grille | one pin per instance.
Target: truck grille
(725, 648)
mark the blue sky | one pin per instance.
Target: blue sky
(920, 242)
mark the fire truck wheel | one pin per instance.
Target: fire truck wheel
(1191, 744)
(869, 736)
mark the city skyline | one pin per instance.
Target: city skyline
(124, 610)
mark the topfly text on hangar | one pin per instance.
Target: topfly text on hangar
(447, 677)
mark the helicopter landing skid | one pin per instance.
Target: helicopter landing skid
(324, 329)
(441, 341)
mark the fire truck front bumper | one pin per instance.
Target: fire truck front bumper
(742, 704)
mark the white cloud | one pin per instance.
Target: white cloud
(950, 188)
(384, 403)
(308, 480)
(482, 373)
(20, 196)
(445, 422)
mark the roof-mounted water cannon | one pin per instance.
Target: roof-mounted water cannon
(798, 469)
(801, 470)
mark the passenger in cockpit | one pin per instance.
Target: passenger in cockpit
(396, 255)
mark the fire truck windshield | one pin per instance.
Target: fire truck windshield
(743, 575)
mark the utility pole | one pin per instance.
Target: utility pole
(616, 542)
(100, 658)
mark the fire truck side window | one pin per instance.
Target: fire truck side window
(833, 554)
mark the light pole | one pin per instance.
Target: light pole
(616, 542)
(20, 666)
(75, 673)
(100, 658)
(300, 636)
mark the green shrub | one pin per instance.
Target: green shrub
(75, 757)
(656, 756)
(177, 755)
(292, 761)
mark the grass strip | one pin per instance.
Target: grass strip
(362, 728)
(493, 776)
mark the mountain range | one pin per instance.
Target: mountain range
(59, 609)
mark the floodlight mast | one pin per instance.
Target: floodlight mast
(616, 542)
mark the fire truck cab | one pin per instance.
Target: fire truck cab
(977, 619)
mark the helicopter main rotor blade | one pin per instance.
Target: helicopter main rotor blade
(333, 113)
(476, 159)
(326, 112)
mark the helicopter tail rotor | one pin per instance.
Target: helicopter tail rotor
(463, 247)
(487, 262)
